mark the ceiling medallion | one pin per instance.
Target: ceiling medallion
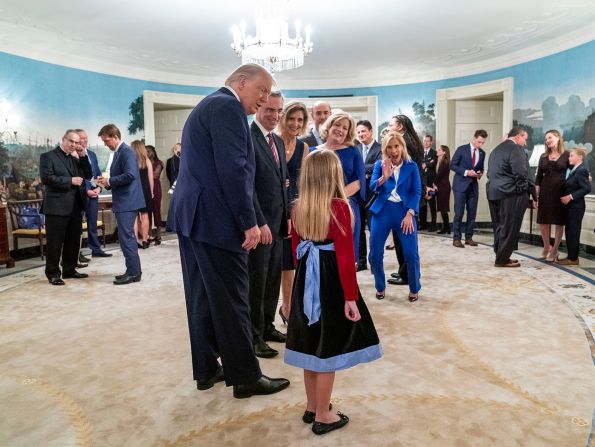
(271, 46)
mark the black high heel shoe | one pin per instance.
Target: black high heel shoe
(283, 317)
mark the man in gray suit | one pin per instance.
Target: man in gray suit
(321, 110)
(510, 183)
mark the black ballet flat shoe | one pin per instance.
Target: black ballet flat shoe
(157, 241)
(310, 416)
(320, 428)
(283, 317)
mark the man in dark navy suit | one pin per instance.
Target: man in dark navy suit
(127, 199)
(428, 166)
(321, 110)
(62, 173)
(467, 164)
(272, 214)
(212, 211)
(371, 153)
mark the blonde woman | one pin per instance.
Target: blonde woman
(294, 123)
(145, 168)
(397, 181)
(549, 184)
(338, 131)
(172, 165)
(330, 327)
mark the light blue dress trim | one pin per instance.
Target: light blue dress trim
(312, 281)
(336, 363)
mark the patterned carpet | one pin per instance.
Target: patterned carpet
(486, 357)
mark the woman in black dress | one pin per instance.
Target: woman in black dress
(549, 184)
(141, 225)
(442, 187)
(294, 123)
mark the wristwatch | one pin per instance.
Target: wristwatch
(410, 211)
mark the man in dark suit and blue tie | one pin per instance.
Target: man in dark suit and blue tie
(371, 153)
(272, 214)
(321, 110)
(93, 191)
(62, 173)
(212, 211)
(127, 199)
(467, 164)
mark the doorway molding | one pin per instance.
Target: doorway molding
(445, 105)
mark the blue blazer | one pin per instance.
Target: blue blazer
(94, 168)
(124, 181)
(461, 162)
(408, 188)
(213, 199)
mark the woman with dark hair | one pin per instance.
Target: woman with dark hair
(293, 124)
(145, 168)
(442, 188)
(157, 193)
(549, 184)
(404, 127)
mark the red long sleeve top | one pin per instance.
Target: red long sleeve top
(343, 248)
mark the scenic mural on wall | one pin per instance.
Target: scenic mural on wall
(39, 101)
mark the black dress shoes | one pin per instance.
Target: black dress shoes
(83, 259)
(264, 351)
(275, 335)
(361, 266)
(56, 281)
(75, 275)
(205, 384)
(397, 281)
(80, 265)
(320, 428)
(395, 275)
(127, 279)
(100, 254)
(262, 386)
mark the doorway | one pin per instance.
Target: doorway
(462, 110)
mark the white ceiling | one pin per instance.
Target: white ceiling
(378, 42)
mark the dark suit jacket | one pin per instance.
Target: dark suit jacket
(310, 139)
(430, 160)
(461, 162)
(509, 173)
(374, 154)
(172, 167)
(56, 172)
(270, 194)
(124, 181)
(213, 199)
(579, 186)
(408, 187)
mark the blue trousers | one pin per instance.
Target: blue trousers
(466, 199)
(127, 238)
(92, 212)
(218, 307)
(390, 218)
(354, 202)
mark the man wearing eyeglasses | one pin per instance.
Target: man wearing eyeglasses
(62, 173)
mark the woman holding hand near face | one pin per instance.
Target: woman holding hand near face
(397, 182)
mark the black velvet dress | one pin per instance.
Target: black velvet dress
(550, 177)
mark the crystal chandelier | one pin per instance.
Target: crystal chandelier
(271, 46)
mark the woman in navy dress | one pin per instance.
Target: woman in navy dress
(294, 122)
(338, 132)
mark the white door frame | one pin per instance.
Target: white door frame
(150, 98)
(445, 105)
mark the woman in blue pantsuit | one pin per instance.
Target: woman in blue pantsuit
(396, 181)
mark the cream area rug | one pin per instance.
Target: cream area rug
(486, 357)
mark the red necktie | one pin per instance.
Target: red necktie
(473, 157)
(273, 149)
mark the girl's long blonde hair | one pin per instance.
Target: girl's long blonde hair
(321, 181)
